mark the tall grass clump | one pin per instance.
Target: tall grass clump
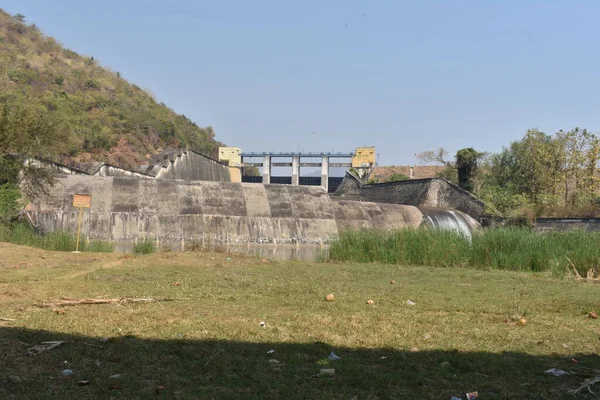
(24, 235)
(524, 250)
(516, 249)
(406, 246)
(144, 247)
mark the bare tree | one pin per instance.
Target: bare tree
(434, 156)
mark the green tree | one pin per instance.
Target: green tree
(27, 134)
(9, 202)
(466, 167)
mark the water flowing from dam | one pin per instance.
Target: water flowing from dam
(439, 218)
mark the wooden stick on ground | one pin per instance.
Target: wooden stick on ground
(6, 319)
(63, 302)
(577, 276)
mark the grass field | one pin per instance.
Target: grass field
(459, 337)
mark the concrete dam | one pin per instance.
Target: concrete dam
(225, 212)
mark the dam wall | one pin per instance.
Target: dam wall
(172, 210)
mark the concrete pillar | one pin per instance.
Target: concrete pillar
(267, 170)
(296, 170)
(325, 173)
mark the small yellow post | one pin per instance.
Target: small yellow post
(78, 228)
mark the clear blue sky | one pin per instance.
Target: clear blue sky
(404, 76)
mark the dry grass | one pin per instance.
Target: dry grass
(458, 337)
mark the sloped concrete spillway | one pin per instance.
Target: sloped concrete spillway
(439, 218)
(175, 210)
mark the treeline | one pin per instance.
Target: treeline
(539, 175)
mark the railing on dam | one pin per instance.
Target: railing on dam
(300, 154)
(334, 182)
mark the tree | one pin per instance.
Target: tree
(580, 159)
(434, 156)
(396, 177)
(26, 134)
(545, 172)
(19, 18)
(466, 159)
(466, 166)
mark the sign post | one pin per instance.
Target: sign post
(81, 201)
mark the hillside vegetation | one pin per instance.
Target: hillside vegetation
(97, 113)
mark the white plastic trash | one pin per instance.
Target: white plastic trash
(556, 372)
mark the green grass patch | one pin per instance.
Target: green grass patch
(144, 247)
(514, 249)
(23, 234)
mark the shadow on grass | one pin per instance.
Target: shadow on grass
(183, 368)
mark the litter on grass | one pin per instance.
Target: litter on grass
(333, 357)
(45, 346)
(556, 372)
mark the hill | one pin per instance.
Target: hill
(100, 115)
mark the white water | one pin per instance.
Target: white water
(448, 220)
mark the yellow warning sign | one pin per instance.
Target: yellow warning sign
(82, 200)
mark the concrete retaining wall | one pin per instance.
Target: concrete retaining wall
(548, 224)
(433, 192)
(193, 166)
(170, 164)
(171, 210)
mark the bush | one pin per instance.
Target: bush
(397, 177)
(20, 75)
(92, 84)
(9, 202)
